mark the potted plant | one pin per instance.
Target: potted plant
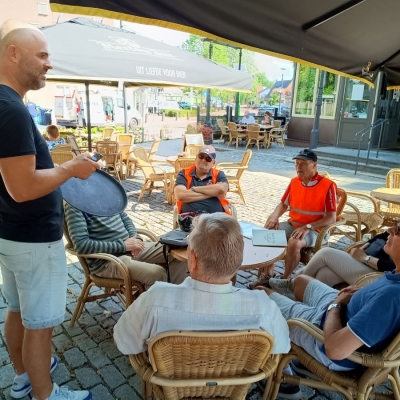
(207, 133)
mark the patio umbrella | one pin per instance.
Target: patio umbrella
(355, 38)
(84, 50)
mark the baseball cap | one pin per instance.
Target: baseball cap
(209, 150)
(306, 154)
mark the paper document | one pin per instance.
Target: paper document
(271, 238)
(247, 228)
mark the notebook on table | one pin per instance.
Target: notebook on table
(269, 238)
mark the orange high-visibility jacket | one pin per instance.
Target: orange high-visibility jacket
(307, 203)
(214, 176)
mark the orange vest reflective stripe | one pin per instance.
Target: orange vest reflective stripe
(214, 175)
(307, 203)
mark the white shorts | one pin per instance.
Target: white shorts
(35, 281)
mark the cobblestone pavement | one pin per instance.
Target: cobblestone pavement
(87, 355)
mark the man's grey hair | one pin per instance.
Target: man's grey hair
(217, 242)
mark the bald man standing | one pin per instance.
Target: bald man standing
(32, 257)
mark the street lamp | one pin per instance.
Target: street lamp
(280, 94)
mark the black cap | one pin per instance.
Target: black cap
(306, 154)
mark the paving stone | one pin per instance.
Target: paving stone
(3, 312)
(3, 303)
(136, 383)
(67, 316)
(7, 374)
(75, 358)
(94, 309)
(72, 330)
(125, 392)
(86, 320)
(87, 377)
(112, 376)
(4, 356)
(61, 374)
(124, 366)
(100, 392)
(110, 349)
(71, 307)
(97, 333)
(62, 343)
(57, 330)
(111, 305)
(84, 342)
(97, 357)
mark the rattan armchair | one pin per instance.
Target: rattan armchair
(125, 289)
(225, 134)
(253, 135)
(391, 213)
(235, 134)
(358, 384)
(111, 156)
(62, 147)
(193, 149)
(60, 157)
(276, 135)
(107, 132)
(221, 365)
(234, 180)
(74, 145)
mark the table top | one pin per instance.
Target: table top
(253, 256)
(387, 194)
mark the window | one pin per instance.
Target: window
(307, 79)
(43, 8)
(120, 102)
(356, 99)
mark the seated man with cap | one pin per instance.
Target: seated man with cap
(312, 201)
(247, 119)
(202, 187)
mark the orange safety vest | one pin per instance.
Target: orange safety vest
(214, 175)
(307, 203)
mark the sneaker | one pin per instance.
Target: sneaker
(286, 391)
(263, 280)
(300, 370)
(281, 286)
(63, 393)
(21, 387)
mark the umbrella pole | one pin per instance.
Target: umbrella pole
(208, 107)
(125, 107)
(237, 102)
(314, 138)
(88, 122)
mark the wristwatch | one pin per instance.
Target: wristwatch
(366, 259)
(309, 226)
(334, 305)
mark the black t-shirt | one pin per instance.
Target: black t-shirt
(35, 221)
(210, 205)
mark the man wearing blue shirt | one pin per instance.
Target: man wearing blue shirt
(365, 319)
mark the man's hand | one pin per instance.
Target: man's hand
(272, 222)
(134, 245)
(300, 233)
(358, 254)
(344, 297)
(82, 166)
(349, 289)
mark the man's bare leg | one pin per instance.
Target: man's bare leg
(36, 353)
(299, 286)
(293, 255)
(14, 333)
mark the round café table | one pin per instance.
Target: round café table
(387, 194)
(260, 257)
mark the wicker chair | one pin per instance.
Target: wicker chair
(152, 174)
(62, 147)
(253, 135)
(391, 213)
(200, 365)
(276, 135)
(74, 145)
(111, 156)
(235, 134)
(60, 157)
(107, 132)
(225, 134)
(341, 196)
(180, 163)
(358, 385)
(112, 287)
(193, 149)
(234, 180)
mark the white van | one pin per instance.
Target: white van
(105, 110)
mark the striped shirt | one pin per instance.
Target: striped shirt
(94, 234)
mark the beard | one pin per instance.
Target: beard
(31, 79)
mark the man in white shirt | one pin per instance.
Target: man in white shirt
(207, 300)
(247, 119)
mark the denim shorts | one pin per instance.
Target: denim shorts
(35, 281)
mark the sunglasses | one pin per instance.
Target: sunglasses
(204, 157)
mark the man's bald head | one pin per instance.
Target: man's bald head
(24, 57)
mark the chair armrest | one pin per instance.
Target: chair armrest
(324, 231)
(366, 360)
(227, 164)
(147, 233)
(354, 246)
(368, 278)
(374, 202)
(140, 363)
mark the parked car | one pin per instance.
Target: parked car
(184, 105)
(283, 112)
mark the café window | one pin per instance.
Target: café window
(306, 87)
(356, 100)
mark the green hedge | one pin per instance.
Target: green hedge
(181, 113)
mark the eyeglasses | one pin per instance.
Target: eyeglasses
(204, 157)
